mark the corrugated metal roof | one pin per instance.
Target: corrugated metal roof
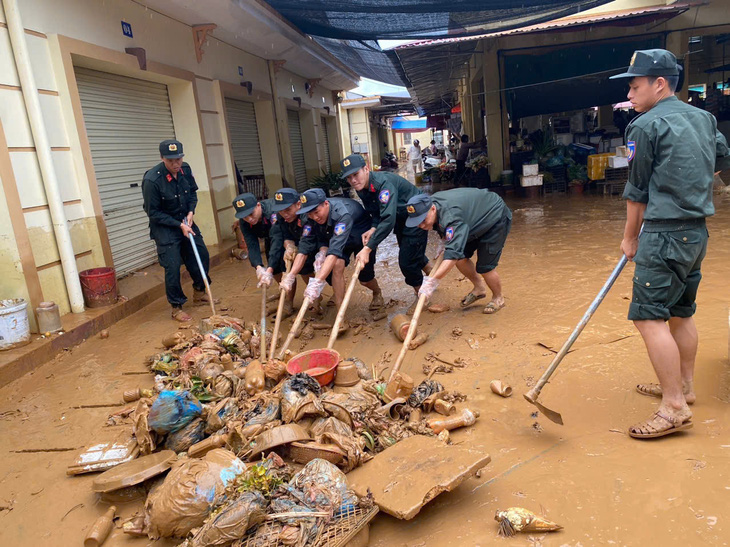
(671, 10)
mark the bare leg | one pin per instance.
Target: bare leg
(373, 286)
(427, 268)
(338, 281)
(467, 268)
(495, 285)
(665, 358)
(684, 332)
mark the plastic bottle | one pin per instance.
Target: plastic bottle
(101, 528)
(466, 417)
(132, 395)
(442, 407)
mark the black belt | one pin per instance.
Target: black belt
(673, 225)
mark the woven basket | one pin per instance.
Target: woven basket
(306, 452)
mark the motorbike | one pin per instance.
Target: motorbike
(389, 161)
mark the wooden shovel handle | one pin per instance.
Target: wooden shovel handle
(279, 311)
(263, 325)
(413, 325)
(343, 307)
(300, 316)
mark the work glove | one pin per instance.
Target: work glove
(264, 276)
(287, 283)
(319, 261)
(428, 286)
(291, 253)
(314, 288)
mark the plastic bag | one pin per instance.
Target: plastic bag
(186, 437)
(295, 391)
(173, 410)
(324, 487)
(232, 522)
(189, 492)
(263, 413)
(422, 391)
(218, 415)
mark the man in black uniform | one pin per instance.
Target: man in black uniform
(335, 229)
(170, 198)
(384, 196)
(256, 218)
(469, 220)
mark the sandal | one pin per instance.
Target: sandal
(377, 302)
(492, 308)
(179, 315)
(201, 297)
(659, 425)
(470, 298)
(655, 390)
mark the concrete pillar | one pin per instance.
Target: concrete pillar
(605, 115)
(678, 43)
(282, 127)
(495, 115)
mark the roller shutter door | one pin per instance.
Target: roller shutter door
(297, 151)
(325, 143)
(126, 119)
(241, 119)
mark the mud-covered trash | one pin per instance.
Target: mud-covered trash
(220, 413)
(146, 438)
(324, 487)
(184, 438)
(225, 384)
(173, 410)
(189, 492)
(232, 522)
(362, 369)
(518, 519)
(266, 411)
(296, 391)
(423, 391)
(255, 378)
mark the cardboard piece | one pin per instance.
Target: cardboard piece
(104, 455)
(409, 474)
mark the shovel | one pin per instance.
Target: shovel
(202, 271)
(279, 312)
(534, 393)
(343, 307)
(414, 324)
(263, 325)
(297, 322)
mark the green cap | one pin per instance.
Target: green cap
(351, 164)
(417, 208)
(651, 62)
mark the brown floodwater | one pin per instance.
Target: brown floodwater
(588, 475)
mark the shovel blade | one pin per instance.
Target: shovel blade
(551, 415)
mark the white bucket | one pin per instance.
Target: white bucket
(14, 327)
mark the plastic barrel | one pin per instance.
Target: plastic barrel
(99, 286)
(14, 327)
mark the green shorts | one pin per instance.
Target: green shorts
(489, 246)
(667, 273)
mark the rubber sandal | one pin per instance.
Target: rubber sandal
(470, 298)
(492, 308)
(377, 302)
(636, 433)
(653, 390)
(179, 315)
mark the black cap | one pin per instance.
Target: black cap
(311, 199)
(351, 164)
(283, 198)
(651, 62)
(417, 207)
(171, 149)
(244, 204)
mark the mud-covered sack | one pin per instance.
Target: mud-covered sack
(265, 411)
(173, 410)
(232, 522)
(220, 413)
(189, 492)
(323, 487)
(186, 437)
(296, 391)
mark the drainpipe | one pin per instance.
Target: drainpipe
(43, 151)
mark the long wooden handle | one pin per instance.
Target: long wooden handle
(300, 316)
(279, 311)
(263, 324)
(414, 324)
(343, 307)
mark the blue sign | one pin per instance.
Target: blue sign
(126, 29)
(240, 71)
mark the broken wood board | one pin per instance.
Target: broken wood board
(554, 342)
(406, 476)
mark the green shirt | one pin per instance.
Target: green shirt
(465, 214)
(675, 150)
(385, 199)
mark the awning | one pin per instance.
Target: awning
(401, 125)
(434, 68)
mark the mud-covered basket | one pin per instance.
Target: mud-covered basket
(305, 452)
(340, 530)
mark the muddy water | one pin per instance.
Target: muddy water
(602, 486)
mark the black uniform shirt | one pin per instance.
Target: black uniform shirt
(345, 225)
(167, 201)
(261, 229)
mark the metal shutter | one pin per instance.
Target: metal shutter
(325, 143)
(297, 151)
(126, 119)
(241, 119)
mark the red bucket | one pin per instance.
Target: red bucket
(99, 286)
(320, 364)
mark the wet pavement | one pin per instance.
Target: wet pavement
(587, 475)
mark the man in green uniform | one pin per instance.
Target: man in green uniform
(169, 197)
(469, 220)
(384, 196)
(256, 219)
(334, 231)
(674, 151)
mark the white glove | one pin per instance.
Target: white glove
(264, 276)
(291, 253)
(319, 261)
(428, 286)
(287, 283)
(314, 288)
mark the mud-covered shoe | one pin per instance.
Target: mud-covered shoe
(377, 302)
(201, 297)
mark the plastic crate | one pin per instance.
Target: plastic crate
(597, 164)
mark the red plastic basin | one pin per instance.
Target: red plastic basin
(320, 364)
